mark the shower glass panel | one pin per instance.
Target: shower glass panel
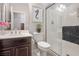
(54, 28)
(57, 16)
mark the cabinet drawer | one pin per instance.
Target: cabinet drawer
(14, 42)
(22, 41)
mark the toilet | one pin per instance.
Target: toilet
(44, 46)
(41, 45)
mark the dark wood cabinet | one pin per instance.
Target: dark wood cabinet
(21, 50)
(15, 47)
(6, 52)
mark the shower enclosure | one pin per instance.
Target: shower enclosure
(59, 15)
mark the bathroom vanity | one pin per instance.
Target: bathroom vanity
(13, 44)
(17, 45)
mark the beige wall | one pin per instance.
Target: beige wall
(27, 9)
(32, 26)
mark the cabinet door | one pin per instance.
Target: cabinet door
(22, 51)
(6, 52)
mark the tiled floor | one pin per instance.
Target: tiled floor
(36, 52)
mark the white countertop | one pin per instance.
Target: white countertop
(15, 36)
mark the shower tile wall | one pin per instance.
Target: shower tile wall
(70, 18)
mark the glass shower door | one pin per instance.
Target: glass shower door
(58, 16)
(54, 29)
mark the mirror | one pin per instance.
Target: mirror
(5, 14)
(18, 20)
(11, 19)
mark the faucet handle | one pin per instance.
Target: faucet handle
(15, 32)
(11, 32)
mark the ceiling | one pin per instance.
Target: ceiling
(43, 5)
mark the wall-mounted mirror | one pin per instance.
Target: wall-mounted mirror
(5, 16)
(11, 18)
(1, 5)
(18, 20)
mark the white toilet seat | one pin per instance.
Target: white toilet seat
(43, 44)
